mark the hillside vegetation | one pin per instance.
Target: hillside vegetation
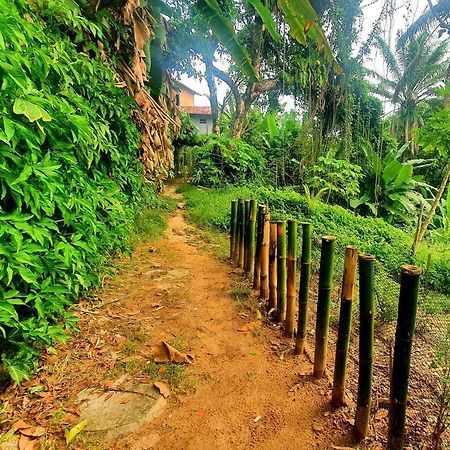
(69, 174)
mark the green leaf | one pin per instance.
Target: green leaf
(30, 110)
(75, 431)
(405, 175)
(267, 19)
(391, 171)
(224, 31)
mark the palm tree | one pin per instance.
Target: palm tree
(436, 16)
(415, 69)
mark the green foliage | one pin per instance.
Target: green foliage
(390, 245)
(434, 136)
(391, 190)
(339, 178)
(222, 160)
(69, 177)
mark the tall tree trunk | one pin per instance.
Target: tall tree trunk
(209, 74)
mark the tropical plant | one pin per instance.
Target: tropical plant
(414, 71)
(339, 178)
(222, 160)
(390, 189)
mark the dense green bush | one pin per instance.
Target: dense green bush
(338, 179)
(69, 176)
(222, 160)
(389, 244)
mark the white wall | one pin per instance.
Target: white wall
(205, 128)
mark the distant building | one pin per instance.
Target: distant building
(201, 115)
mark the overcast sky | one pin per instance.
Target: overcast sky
(406, 11)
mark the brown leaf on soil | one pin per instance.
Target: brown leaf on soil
(27, 443)
(166, 353)
(249, 326)
(162, 388)
(33, 432)
(21, 425)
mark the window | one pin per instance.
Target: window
(203, 121)
(177, 99)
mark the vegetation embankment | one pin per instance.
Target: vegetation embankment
(391, 246)
(70, 178)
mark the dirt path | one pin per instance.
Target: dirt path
(246, 396)
(244, 390)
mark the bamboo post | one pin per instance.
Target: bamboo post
(259, 238)
(241, 231)
(246, 234)
(404, 333)
(291, 277)
(366, 327)
(251, 238)
(273, 301)
(323, 305)
(303, 295)
(281, 270)
(264, 258)
(345, 320)
(233, 225)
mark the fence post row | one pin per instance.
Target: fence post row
(267, 250)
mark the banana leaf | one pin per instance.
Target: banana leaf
(224, 32)
(267, 19)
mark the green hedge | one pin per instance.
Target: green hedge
(389, 244)
(69, 174)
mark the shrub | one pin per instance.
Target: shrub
(222, 160)
(69, 177)
(389, 244)
(338, 178)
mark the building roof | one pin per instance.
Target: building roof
(198, 110)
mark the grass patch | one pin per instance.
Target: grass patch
(211, 210)
(151, 221)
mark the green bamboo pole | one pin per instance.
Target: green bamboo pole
(345, 320)
(246, 234)
(273, 301)
(253, 211)
(233, 226)
(259, 238)
(323, 305)
(241, 229)
(366, 327)
(291, 277)
(264, 284)
(404, 334)
(303, 296)
(281, 270)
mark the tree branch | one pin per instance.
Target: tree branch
(228, 80)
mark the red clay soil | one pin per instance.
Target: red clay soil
(244, 390)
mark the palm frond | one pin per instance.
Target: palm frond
(388, 56)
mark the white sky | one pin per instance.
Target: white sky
(406, 11)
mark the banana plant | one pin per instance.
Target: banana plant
(298, 14)
(391, 190)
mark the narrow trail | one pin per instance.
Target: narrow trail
(244, 390)
(246, 396)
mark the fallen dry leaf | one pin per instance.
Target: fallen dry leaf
(27, 443)
(166, 353)
(162, 388)
(249, 326)
(21, 425)
(33, 432)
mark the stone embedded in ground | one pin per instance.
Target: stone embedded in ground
(112, 414)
